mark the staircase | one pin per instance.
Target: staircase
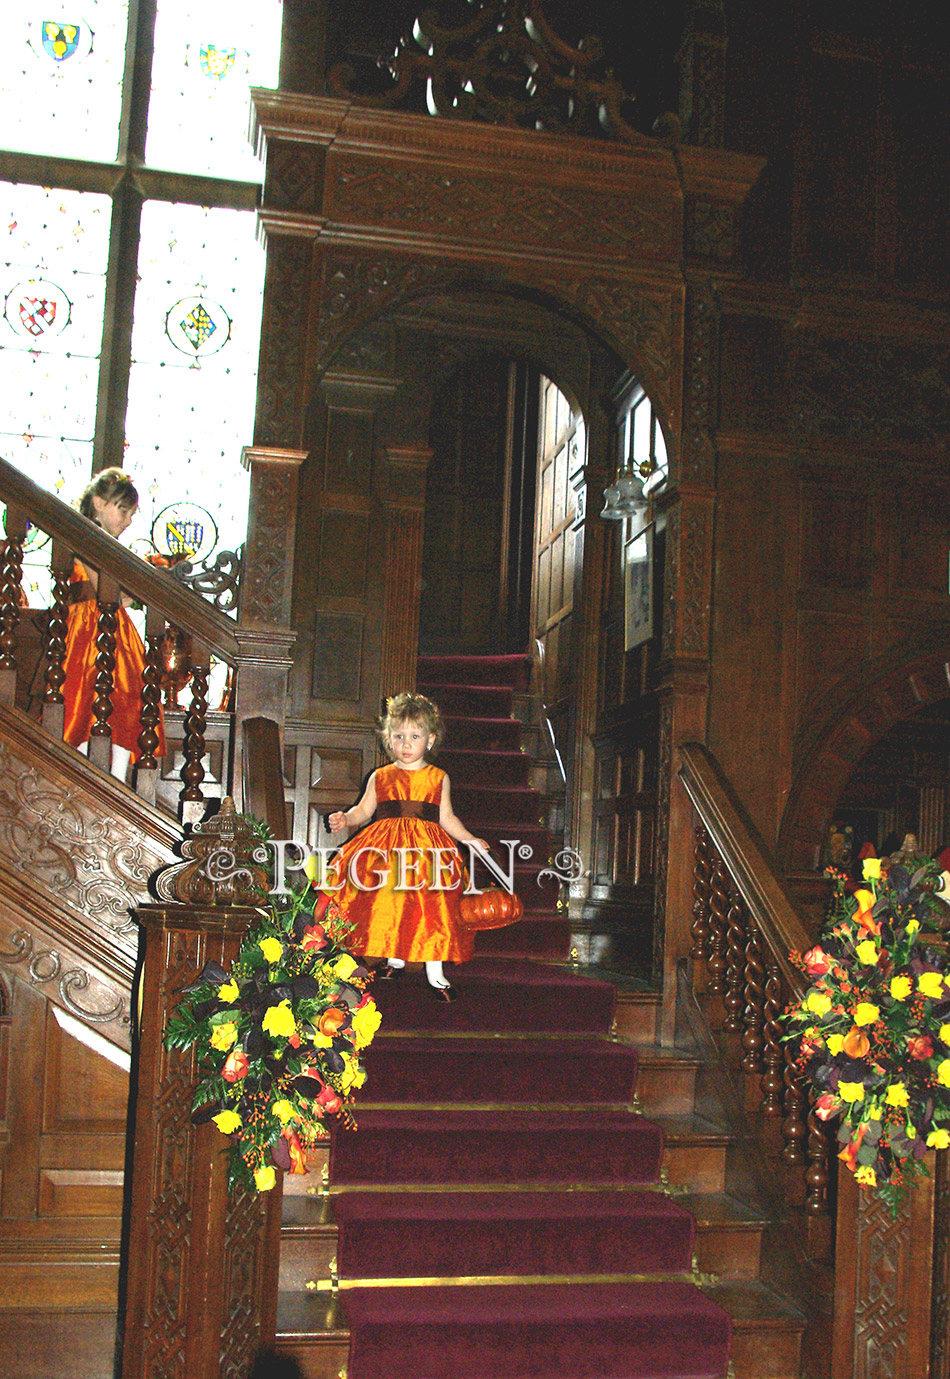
(532, 1189)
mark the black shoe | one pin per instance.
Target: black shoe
(385, 973)
(442, 993)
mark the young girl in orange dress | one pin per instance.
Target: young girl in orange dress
(401, 879)
(111, 501)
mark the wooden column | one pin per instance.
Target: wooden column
(264, 623)
(404, 495)
(201, 1294)
(883, 1283)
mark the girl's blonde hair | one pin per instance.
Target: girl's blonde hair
(408, 707)
(112, 486)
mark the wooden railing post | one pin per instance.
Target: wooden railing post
(264, 632)
(884, 1282)
(202, 1269)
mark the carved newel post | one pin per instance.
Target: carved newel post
(201, 1293)
(884, 1283)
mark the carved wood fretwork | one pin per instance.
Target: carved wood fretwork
(505, 65)
(97, 865)
(280, 375)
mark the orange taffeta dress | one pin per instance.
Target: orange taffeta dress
(419, 925)
(80, 668)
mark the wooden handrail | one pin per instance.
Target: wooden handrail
(746, 857)
(150, 586)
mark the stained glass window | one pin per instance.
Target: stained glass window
(54, 247)
(207, 56)
(61, 78)
(194, 361)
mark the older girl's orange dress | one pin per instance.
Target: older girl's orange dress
(80, 667)
(418, 925)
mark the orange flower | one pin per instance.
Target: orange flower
(856, 1043)
(331, 1020)
(849, 1154)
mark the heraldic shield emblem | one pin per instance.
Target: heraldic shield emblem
(37, 310)
(216, 62)
(60, 40)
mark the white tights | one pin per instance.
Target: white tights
(434, 974)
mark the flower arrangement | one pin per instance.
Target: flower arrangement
(871, 1036)
(278, 1038)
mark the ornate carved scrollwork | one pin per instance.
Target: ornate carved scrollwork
(218, 580)
(504, 65)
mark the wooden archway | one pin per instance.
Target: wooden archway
(853, 720)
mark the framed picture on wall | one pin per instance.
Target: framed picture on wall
(638, 589)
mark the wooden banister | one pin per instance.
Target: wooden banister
(150, 586)
(747, 859)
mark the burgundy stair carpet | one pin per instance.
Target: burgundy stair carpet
(491, 789)
(502, 1193)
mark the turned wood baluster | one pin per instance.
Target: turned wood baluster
(794, 1126)
(56, 627)
(10, 595)
(716, 961)
(196, 720)
(754, 1009)
(100, 735)
(151, 703)
(733, 1000)
(818, 1222)
(773, 1053)
(701, 871)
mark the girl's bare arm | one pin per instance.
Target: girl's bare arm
(452, 823)
(359, 813)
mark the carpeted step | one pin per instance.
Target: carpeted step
(438, 1146)
(545, 938)
(511, 671)
(472, 1234)
(483, 768)
(577, 1072)
(534, 835)
(533, 1331)
(511, 996)
(482, 734)
(470, 701)
(486, 804)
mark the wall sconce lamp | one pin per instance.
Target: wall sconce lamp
(625, 495)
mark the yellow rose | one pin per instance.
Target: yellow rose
(312, 867)
(365, 1023)
(223, 1036)
(901, 988)
(264, 1178)
(818, 1002)
(871, 870)
(353, 1075)
(913, 925)
(283, 1110)
(897, 1094)
(851, 1091)
(321, 1041)
(865, 1013)
(943, 1073)
(931, 984)
(944, 1035)
(272, 948)
(938, 1139)
(866, 952)
(344, 967)
(866, 1176)
(874, 1112)
(278, 1021)
(229, 992)
(227, 1122)
(835, 1043)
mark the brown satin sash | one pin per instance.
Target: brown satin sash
(407, 809)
